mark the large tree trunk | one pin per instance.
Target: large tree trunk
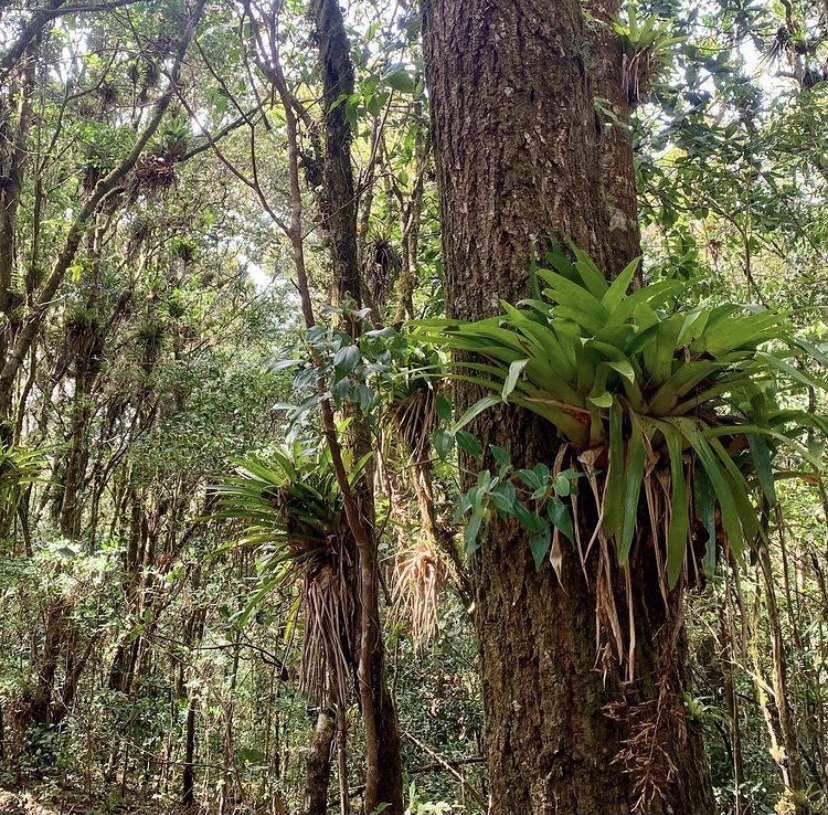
(604, 63)
(518, 150)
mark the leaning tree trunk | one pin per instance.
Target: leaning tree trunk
(518, 151)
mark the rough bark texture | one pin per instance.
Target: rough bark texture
(604, 61)
(517, 146)
(515, 138)
(338, 202)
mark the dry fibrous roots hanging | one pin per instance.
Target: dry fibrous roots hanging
(419, 575)
(381, 267)
(153, 173)
(654, 728)
(635, 72)
(328, 597)
(84, 340)
(419, 570)
(415, 416)
(650, 705)
(151, 337)
(617, 586)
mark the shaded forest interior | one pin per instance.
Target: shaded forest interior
(413, 407)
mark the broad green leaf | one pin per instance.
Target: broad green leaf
(501, 456)
(442, 441)
(613, 507)
(705, 502)
(618, 289)
(593, 279)
(471, 535)
(661, 364)
(475, 410)
(634, 477)
(622, 367)
(540, 545)
(512, 377)
(468, 443)
(764, 466)
(718, 478)
(345, 361)
(679, 528)
(558, 513)
(603, 400)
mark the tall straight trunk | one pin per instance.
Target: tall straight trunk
(71, 509)
(188, 776)
(383, 777)
(518, 152)
(15, 122)
(383, 772)
(193, 632)
(338, 203)
(740, 804)
(605, 64)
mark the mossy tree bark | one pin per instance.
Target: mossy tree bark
(519, 161)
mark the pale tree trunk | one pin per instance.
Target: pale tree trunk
(518, 151)
(741, 805)
(789, 758)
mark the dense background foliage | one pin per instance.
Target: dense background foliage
(139, 640)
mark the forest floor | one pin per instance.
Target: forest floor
(25, 803)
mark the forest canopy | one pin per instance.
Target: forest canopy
(413, 407)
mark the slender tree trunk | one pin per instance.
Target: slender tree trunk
(383, 763)
(790, 760)
(15, 121)
(318, 776)
(741, 805)
(188, 777)
(339, 209)
(342, 762)
(193, 632)
(71, 509)
(517, 145)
